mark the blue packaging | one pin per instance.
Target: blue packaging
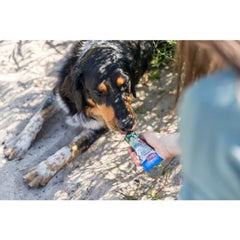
(148, 157)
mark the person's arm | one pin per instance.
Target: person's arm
(165, 145)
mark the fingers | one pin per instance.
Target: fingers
(134, 157)
(143, 136)
(146, 137)
(130, 150)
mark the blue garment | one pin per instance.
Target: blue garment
(210, 138)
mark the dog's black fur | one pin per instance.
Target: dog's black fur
(93, 62)
(95, 87)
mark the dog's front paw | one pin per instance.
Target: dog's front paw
(21, 146)
(38, 176)
(17, 152)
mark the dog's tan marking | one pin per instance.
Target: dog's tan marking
(91, 102)
(120, 81)
(102, 87)
(129, 106)
(108, 115)
(104, 112)
(107, 112)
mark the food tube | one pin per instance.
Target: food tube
(148, 157)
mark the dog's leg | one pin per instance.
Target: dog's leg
(30, 132)
(43, 172)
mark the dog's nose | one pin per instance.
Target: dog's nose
(126, 124)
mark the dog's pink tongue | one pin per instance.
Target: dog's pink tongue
(123, 133)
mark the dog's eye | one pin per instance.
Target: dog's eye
(124, 88)
(99, 93)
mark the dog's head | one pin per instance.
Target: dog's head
(106, 83)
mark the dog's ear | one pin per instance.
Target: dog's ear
(129, 69)
(77, 89)
(133, 88)
(134, 78)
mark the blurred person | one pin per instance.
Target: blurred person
(209, 109)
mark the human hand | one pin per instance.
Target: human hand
(166, 146)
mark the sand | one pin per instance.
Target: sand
(28, 72)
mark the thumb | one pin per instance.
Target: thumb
(146, 137)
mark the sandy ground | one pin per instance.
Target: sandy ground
(28, 71)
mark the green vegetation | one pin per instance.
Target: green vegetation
(154, 194)
(163, 54)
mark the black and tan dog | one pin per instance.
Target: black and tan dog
(95, 87)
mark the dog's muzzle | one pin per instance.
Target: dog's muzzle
(126, 125)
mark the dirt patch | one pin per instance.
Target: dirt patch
(28, 71)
